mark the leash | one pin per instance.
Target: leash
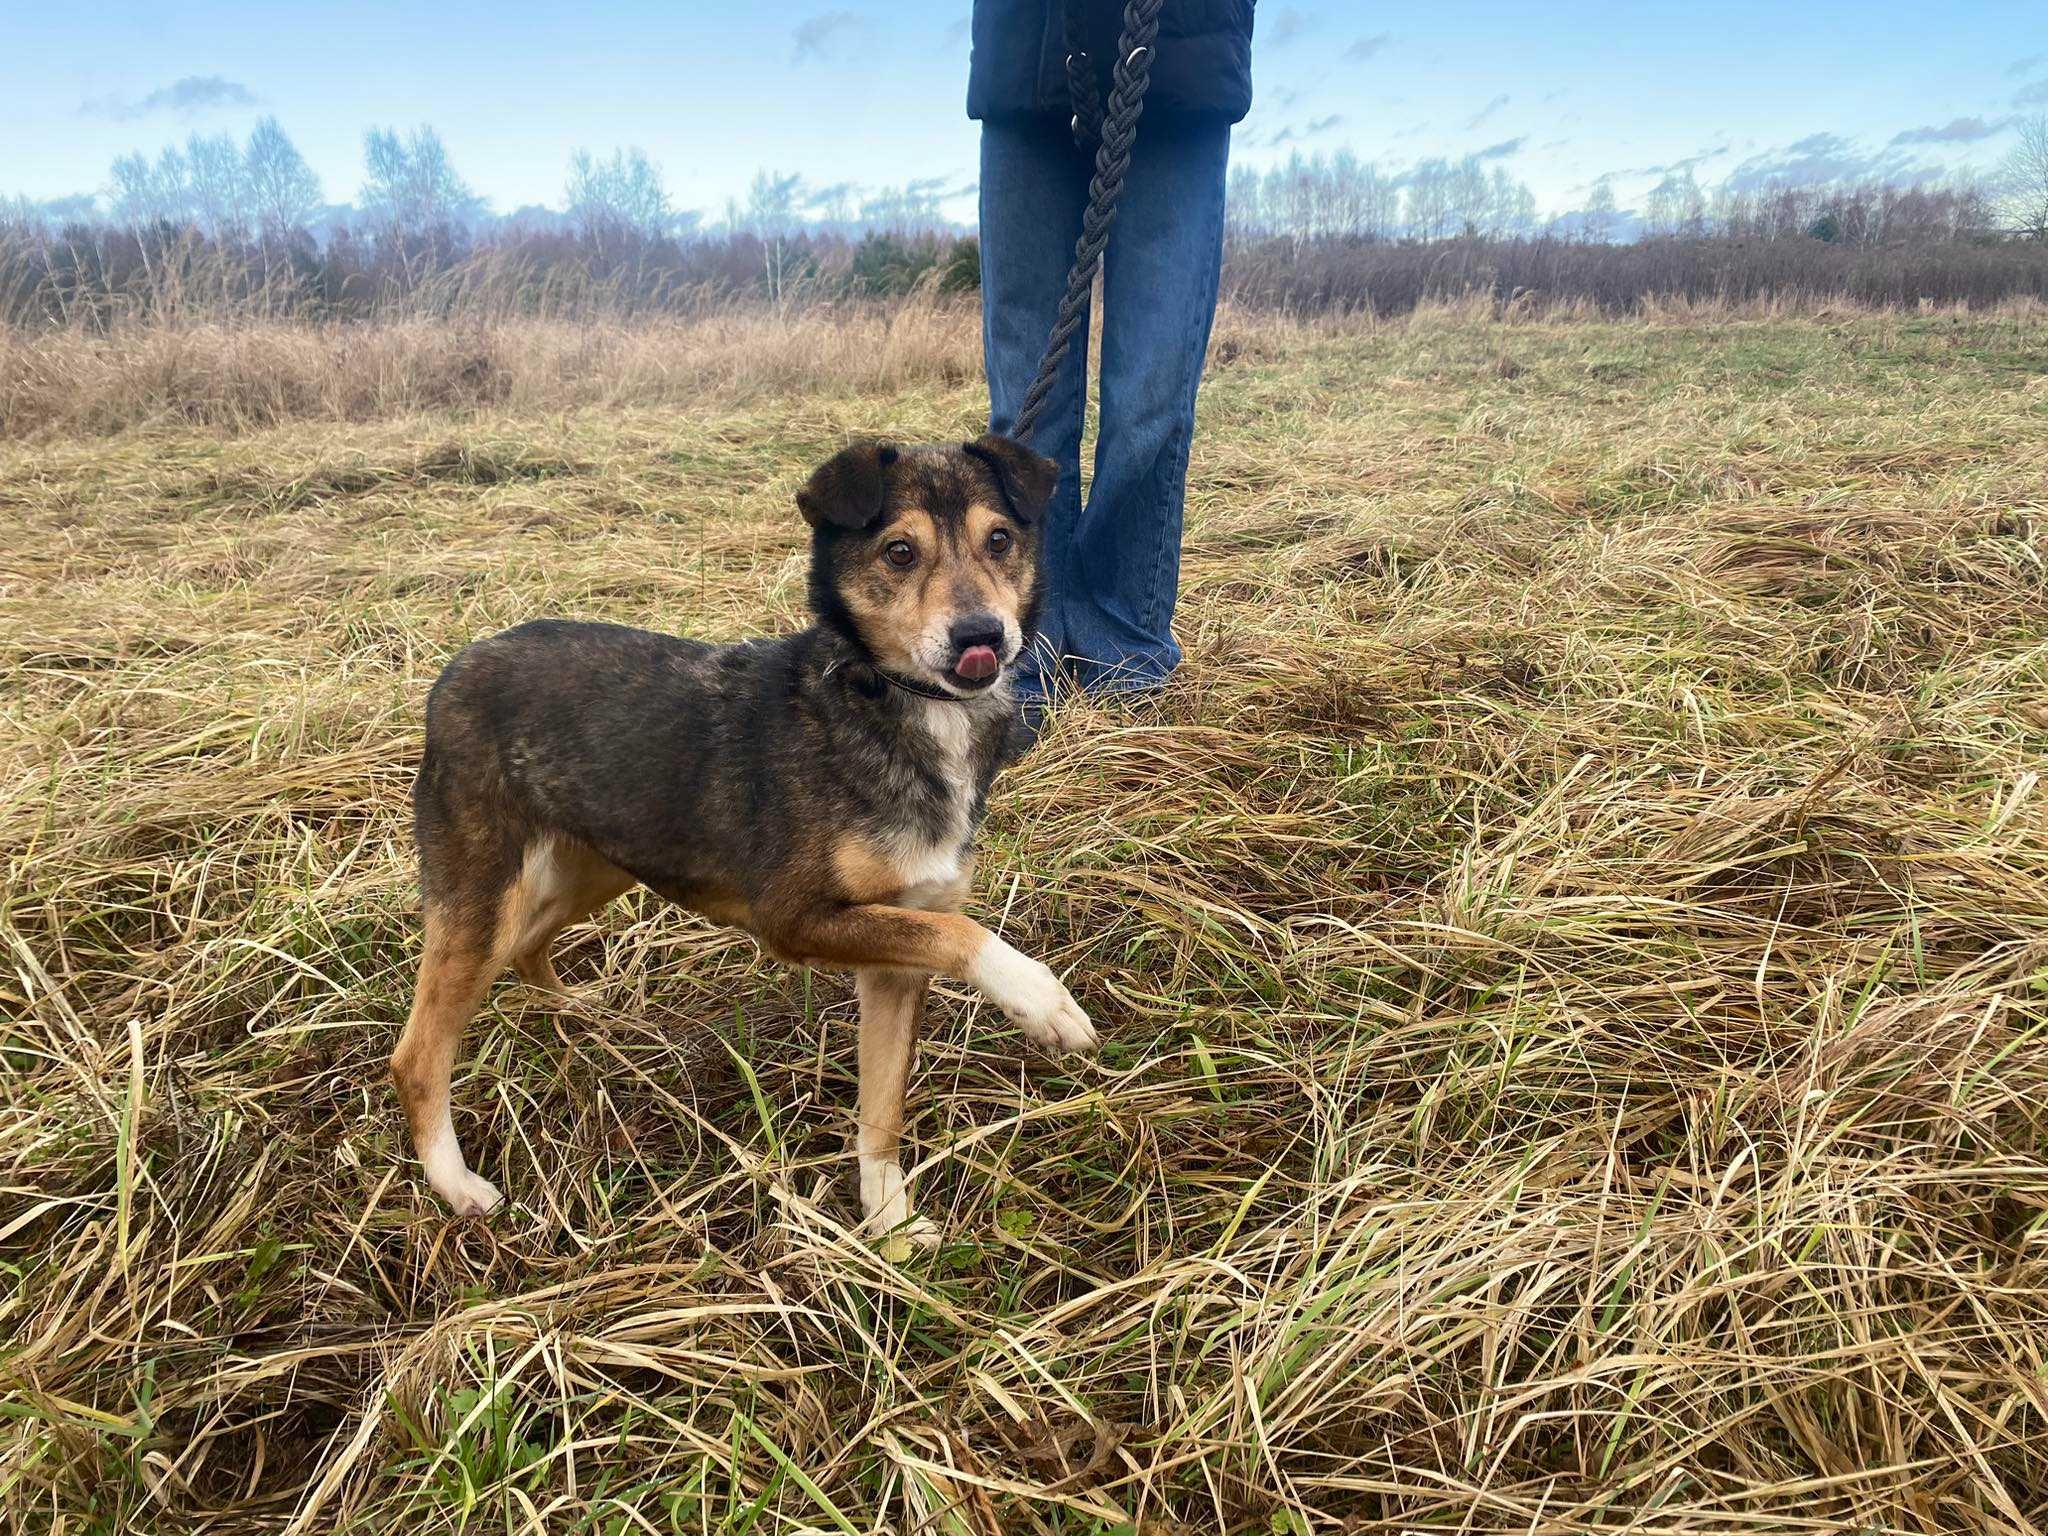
(1114, 129)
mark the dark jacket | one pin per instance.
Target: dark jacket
(1203, 67)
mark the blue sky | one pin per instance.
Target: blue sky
(871, 93)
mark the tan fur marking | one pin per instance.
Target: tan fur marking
(864, 874)
(457, 966)
(1010, 573)
(875, 934)
(938, 557)
(561, 881)
(891, 1010)
(887, 604)
(722, 907)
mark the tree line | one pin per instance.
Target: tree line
(1343, 197)
(220, 226)
(262, 189)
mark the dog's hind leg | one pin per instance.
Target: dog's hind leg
(464, 951)
(560, 882)
(891, 1013)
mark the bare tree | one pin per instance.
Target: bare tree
(771, 217)
(1470, 197)
(1511, 207)
(411, 189)
(1600, 214)
(2023, 180)
(906, 211)
(145, 192)
(219, 198)
(1379, 204)
(619, 199)
(283, 193)
(1428, 206)
(1314, 198)
(1677, 208)
(1244, 203)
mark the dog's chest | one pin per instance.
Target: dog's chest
(928, 847)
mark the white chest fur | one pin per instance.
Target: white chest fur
(929, 860)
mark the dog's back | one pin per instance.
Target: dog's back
(622, 739)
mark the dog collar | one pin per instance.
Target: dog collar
(922, 690)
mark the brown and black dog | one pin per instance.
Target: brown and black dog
(820, 790)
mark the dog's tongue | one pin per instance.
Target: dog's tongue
(977, 661)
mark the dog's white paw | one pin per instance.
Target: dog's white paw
(472, 1195)
(885, 1203)
(467, 1193)
(917, 1235)
(1033, 997)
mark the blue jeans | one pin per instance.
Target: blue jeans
(1112, 566)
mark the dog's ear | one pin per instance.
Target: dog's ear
(1027, 478)
(846, 490)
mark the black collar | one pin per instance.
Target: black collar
(921, 689)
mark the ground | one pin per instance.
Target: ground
(1573, 952)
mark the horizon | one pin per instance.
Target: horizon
(1842, 94)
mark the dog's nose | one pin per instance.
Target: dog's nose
(974, 629)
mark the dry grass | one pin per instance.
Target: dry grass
(254, 372)
(1574, 949)
(261, 373)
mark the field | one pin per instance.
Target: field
(1573, 951)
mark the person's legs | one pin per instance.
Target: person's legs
(1158, 298)
(1034, 186)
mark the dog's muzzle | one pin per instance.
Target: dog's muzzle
(976, 641)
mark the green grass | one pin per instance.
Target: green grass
(1572, 947)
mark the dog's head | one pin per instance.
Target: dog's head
(928, 558)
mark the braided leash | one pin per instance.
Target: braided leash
(1112, 162)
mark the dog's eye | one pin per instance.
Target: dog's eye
(999, 540)
(900, 553)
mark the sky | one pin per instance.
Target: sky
(872, 93)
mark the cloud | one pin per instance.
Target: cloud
(1290, 24)
(812, 39)
(956, 32)
(1502, 150)
(1826, 157)
(2019, 68)
(1487, 111)
(1369, 47)
(1961, 130)
(187, 97)
(1308, 130)
(1676, 167)
(2033, 95)
(821, 198)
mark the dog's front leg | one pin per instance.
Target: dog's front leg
(891, 1012)
(862, 935)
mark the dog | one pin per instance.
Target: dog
(820, 790)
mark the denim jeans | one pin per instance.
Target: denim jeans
(1112, 565)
